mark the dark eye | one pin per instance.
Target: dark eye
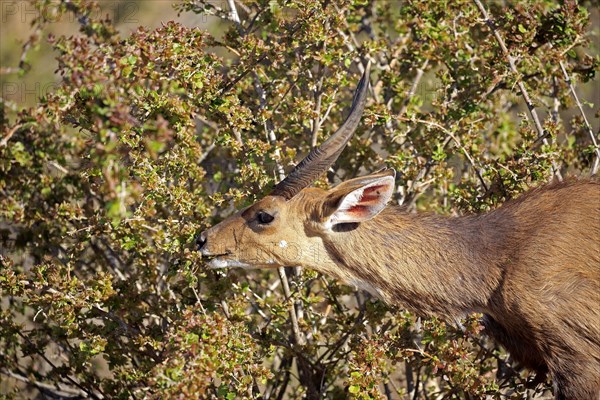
(264, 218)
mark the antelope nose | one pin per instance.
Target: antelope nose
(201, 240)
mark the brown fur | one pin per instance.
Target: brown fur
(531, 266)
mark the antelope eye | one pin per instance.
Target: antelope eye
(264, 218)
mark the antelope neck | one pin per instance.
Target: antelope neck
(428, 263)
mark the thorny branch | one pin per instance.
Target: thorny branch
(513, 67)
(51, 390)
(596, 164)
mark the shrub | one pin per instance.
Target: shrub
(153, 137)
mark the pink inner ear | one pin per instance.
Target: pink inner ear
(358, 210)
(371, 194)
(363, 203)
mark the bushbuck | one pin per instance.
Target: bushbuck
(531, 266)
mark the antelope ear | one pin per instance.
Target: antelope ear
(359, 199)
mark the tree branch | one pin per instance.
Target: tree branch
(51, 390)
(413, 87)
(596, 164)
(10, 133)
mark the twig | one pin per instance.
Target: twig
(596, 164)
(340, 342)
(10, 133)
(234, 15)
(245, 72)
(329, 107)
(513, 67)
(298, 339)
(476, 168)
(413, 87)
(64, 393)
(206, 153)
(113, 261)
(555, 101)
(250, 67)
(255, 18)
(225, 309)
(268, 125)
(387, 390)
(288, 90)
(317, 120)
(236, 18)
(511, 61)
(410, 384)
(286, 380)
(54, 367)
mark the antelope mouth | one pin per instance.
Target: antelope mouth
(219, 261)
(224, 261)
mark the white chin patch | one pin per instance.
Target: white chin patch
(224, 263)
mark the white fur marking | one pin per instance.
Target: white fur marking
(224, 263)
(283, 244)
(362, 285)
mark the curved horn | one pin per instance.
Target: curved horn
(320, 158)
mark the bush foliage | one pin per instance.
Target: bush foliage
(153, 137)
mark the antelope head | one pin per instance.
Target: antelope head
(293, 225)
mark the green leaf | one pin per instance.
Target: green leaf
(218, 176)
(354, 389)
